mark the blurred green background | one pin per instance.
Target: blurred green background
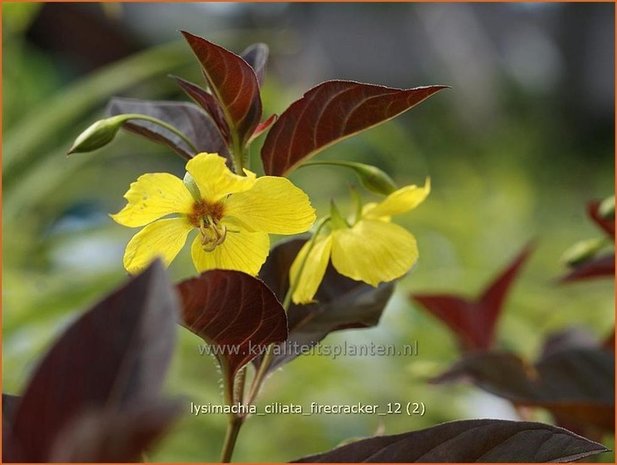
(515, 149)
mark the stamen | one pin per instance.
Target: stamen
(213, 234)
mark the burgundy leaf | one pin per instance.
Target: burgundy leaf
(9, 407)
(468, 441)
(206, 101)
(474, 321)
(576, 384)
(607, 224)
(256, 55)
(112, 437)
(341, 303)
(186, 117)
(569, 338)
(232, 82)
(329, 112)
(609, 342)
(113, 357)
(233, 312)
(600, 267)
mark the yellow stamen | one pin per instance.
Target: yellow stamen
(212, 233)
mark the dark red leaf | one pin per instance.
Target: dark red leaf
(233, 312)
(206, 101)
(474, 321)
(233, 83)
(256, 55)
(115, 436)
(329, 112)
(607, 224)
(468, 441)
(188, 118)
(609, 342)
(575, 384)
(112, 358)
(569, 338)
(601, 267)
(341, 303)
(9, 407)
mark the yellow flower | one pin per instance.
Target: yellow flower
(372, 250)
(233, 216)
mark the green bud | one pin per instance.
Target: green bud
(582, 251)
(98, 134)
(607, 208)
(371, 177)
(374, 179)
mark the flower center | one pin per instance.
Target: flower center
(207, 217)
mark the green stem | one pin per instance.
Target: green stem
(371, 177)
(231, 436)
(23, 142)
(235, 421)
(237, 153)
(262, 371)
(163, 124)
(234, 391)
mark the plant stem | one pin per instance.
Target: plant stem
(233, 428)
(165, 125)
(262, 371)
(234, 389)
(237, 153)
(260, 375)
(24, 141)
(235, 421)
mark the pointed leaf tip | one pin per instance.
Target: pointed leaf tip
(330, 112)
(233, 84)
(474, 321)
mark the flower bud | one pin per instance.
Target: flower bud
(582, 251)
(371, 177)
(374, 179)
(98, 134)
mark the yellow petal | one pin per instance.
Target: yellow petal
(400, 201)
(241, 251)
(314, 269)
(163, 238)
(373, 251)
(153, 196)
(273, 205)
(214, 180)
